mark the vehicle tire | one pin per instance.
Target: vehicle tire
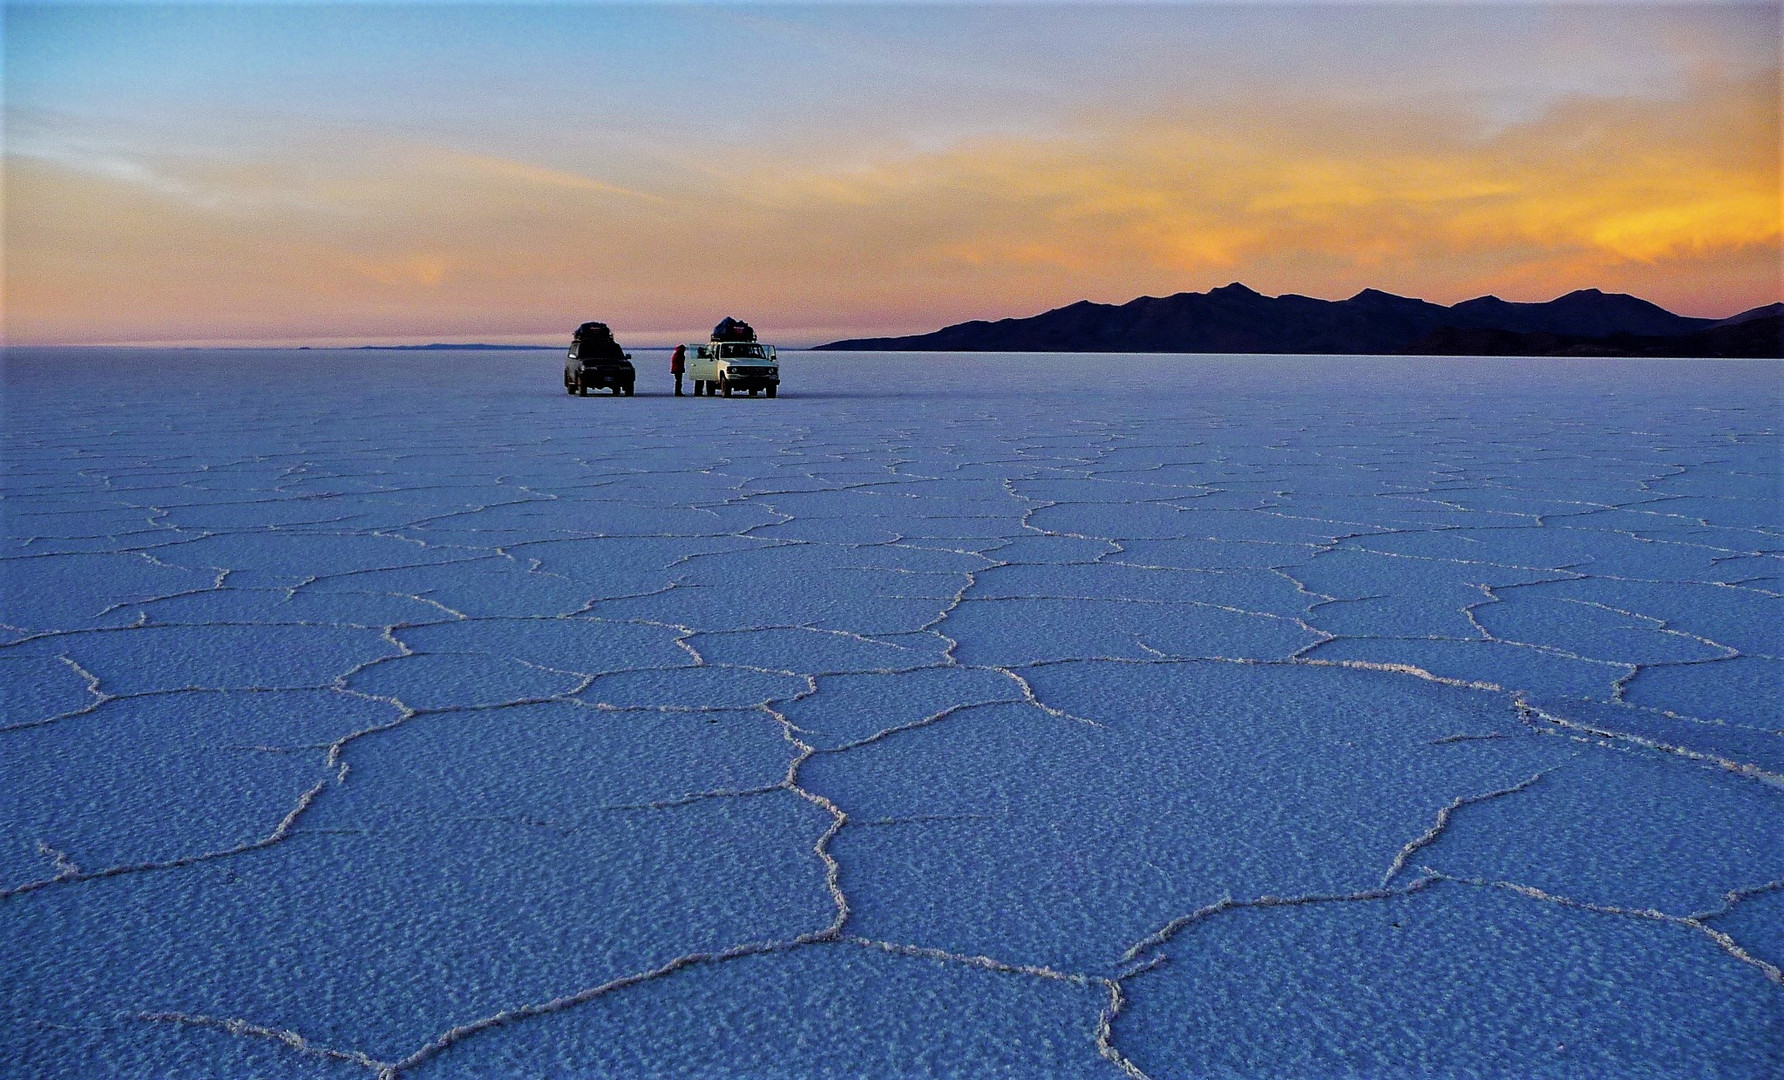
(568, 388)
(581, 388)
(752, 391)
(724, 387)
(771, 389)
(628, 389)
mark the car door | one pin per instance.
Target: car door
(701, 364)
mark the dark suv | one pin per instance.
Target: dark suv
(597, 360)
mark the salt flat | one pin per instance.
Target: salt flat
(397, 714)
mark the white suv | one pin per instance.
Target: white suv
(724, 366)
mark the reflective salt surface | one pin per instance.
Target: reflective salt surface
(985, 716)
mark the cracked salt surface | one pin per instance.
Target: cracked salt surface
(1019, 716)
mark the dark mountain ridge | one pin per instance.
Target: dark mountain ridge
(1762, 336)
(1761, 312)
(1236, 319)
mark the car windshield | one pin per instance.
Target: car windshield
(743, 352)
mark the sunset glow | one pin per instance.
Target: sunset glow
(350, 174)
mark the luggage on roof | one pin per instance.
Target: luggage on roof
(730, 329)
(597, 342)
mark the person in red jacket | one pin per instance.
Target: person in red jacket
(678, 364)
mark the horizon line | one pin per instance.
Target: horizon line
(668, 339)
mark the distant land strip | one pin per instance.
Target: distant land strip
(443, 346)
(1236, 319)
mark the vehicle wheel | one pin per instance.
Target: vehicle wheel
(724, 387)
(752, 391)
(568, 389)
(628, 389)
(581, 388)
(771, 389)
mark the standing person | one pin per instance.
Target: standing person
(678, 364)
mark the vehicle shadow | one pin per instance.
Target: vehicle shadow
(809, 395)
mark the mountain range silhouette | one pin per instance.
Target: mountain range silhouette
(1237, 319)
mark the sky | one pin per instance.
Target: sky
(352, 173)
